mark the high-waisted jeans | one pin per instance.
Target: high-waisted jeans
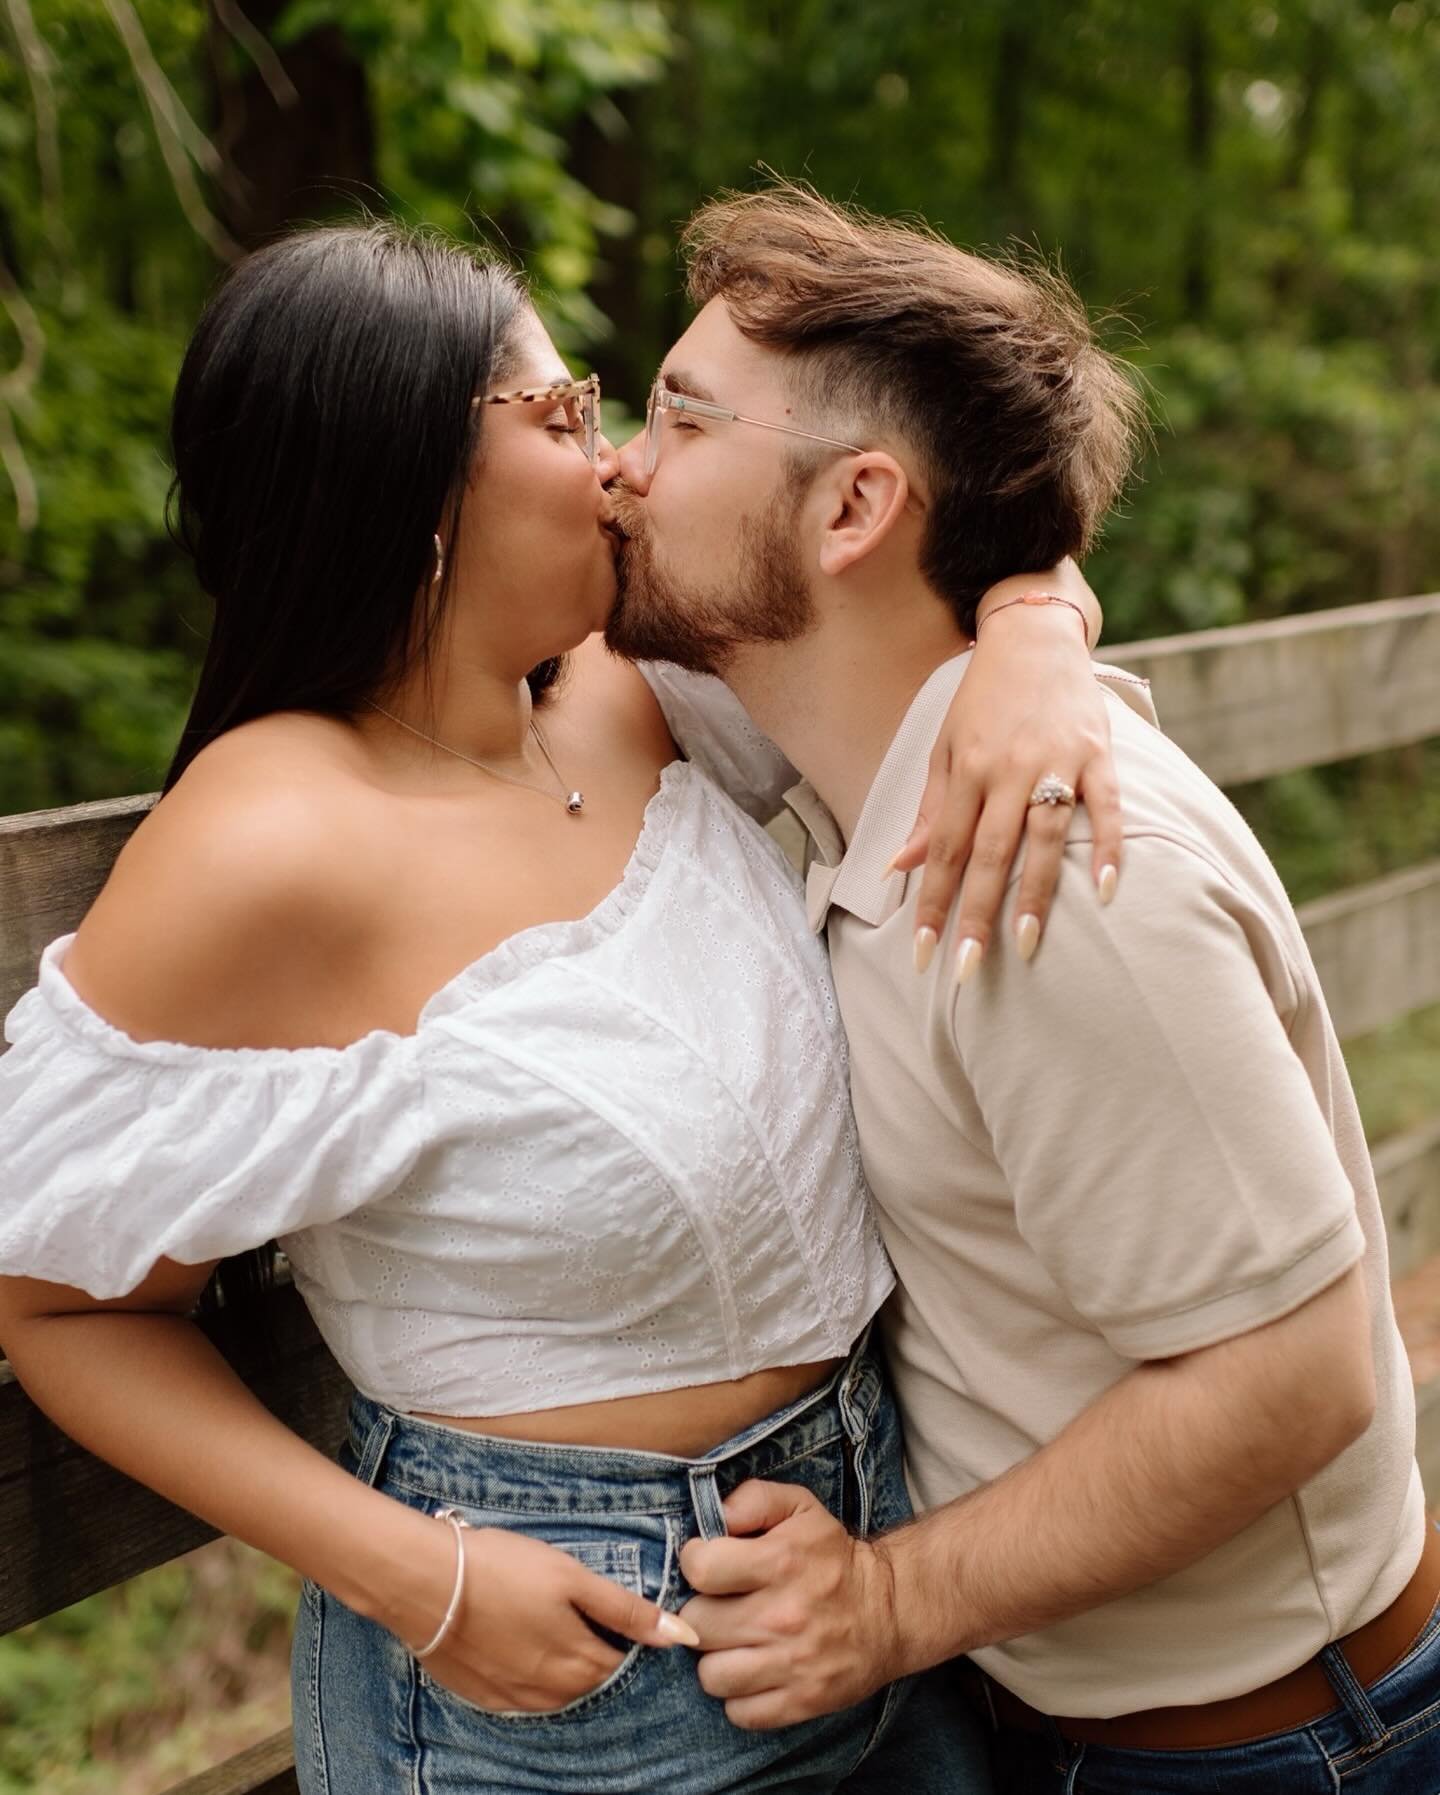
(369, 1720)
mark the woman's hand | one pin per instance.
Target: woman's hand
(136, 1382)
(522, 1639)
(1029, 705)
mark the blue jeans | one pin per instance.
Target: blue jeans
(369, 1720)
(1382, 1740)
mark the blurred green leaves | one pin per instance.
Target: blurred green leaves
(472, 105)
(477, 99)
(174, 1668)
(1253, 186)
(1250, 187)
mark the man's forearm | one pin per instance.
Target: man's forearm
(1174, 1460)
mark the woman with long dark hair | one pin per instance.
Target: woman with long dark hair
(435, 966)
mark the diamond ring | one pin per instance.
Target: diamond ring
(1052, 790)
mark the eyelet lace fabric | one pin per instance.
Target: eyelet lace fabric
(616, 1157)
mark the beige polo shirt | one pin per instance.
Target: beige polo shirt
(1139, 1144)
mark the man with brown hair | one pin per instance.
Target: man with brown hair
(1159, 1418)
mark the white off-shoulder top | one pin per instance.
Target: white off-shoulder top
(616, 1156)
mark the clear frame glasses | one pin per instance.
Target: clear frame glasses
(581, 399)
(662, 400)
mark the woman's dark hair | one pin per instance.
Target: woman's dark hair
(322, 433)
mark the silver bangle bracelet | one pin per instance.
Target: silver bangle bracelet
(457, 1521)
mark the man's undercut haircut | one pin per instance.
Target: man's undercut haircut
(1024, 425)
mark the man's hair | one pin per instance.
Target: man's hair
(1024, 425)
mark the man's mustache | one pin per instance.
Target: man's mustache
(626, 515)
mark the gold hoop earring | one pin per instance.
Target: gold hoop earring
(439, 560)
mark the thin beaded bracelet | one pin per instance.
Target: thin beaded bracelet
(457, 1521)
(1036, 598)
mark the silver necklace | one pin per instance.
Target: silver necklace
(574, 802)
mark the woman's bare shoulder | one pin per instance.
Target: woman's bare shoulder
(242, 887)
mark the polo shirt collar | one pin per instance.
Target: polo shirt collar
(854, 878)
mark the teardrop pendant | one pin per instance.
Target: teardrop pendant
(575, 803)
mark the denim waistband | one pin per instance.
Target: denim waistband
(471, 1470)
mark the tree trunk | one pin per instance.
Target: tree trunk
(1286, 275)
(285, 163)
(1007, 123)
(120, 250)
(1199, 148)
(612, 164)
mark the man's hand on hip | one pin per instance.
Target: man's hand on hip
(795, 1620)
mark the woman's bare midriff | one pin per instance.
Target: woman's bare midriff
(683, 1423)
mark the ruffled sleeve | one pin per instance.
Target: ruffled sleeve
(713, 730)
(115, 1153)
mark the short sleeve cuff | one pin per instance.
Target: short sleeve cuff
(1252, 1306)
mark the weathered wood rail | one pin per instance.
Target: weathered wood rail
(1247, 703)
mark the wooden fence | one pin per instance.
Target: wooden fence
(1245, 703)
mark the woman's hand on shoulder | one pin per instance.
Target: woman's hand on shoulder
(1029, 706)
(234, 900)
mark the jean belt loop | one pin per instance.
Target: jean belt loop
(705, 1498)
(1351, 1695)
(1072, 1769)
(372, 1458)
(859, 1391)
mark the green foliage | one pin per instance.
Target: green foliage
(172, 1670)
(1357, 821)
(487, 97)
(1393, 1072)
(95, 667)
(1281, 479)
(1248, 187)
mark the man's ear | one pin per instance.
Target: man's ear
(865, 505)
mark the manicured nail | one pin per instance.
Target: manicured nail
(902, 849)
(1027, 935)
(1107, 882)
(678, 1632)
(925, 940)
(968, 960)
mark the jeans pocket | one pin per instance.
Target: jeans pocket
(643, 1564)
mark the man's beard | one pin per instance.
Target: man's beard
(660, 617)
